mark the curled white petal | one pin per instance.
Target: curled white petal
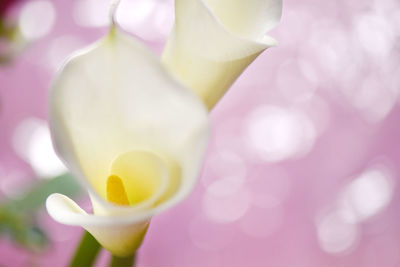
(212, 42)
(117, 234)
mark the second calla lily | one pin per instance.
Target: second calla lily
(132, 134)
(213, 41)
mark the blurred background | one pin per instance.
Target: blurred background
(303, 164)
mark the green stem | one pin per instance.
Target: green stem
(123, 262)
(87, 251)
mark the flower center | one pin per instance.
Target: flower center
(136, 177)
(116, 191)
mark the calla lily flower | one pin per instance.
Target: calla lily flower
(213, 41)
(132, 134)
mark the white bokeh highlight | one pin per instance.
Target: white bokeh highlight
(32, 143)
(277, 134)
(339, 228)
(221, 207)
(368, 194)
(37, 19)
(91, 13)
(336, 234)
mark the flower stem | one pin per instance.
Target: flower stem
(122, 262)
(112, 11)
(87, 251)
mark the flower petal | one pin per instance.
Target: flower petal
(120, 236)
(207, 52)
(116, 97)
(250, 18)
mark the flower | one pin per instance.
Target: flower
(132, 135)
(213, 41)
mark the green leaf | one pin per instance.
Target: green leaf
(17, 217)
(22, 230)
(35, 198)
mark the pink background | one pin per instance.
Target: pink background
(302, 167)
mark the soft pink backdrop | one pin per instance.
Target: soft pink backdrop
(302, 168)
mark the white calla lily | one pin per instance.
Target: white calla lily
(132, 134)
(213, 41)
